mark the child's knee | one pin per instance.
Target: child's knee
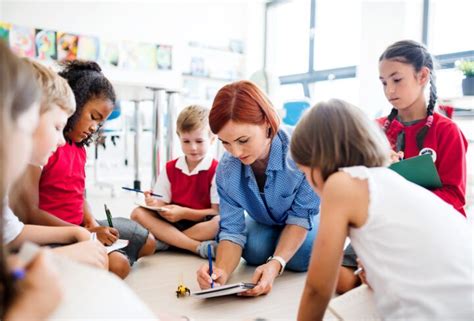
(149, 247)
(346, 280)
(119, 265)
(136, 214)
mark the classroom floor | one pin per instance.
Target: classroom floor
(156, 278)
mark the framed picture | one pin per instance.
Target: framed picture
(45, 42)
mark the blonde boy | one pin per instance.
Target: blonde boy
(57, 104)
(189, 219)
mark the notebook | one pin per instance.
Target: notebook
(357, 304)
(117, 245)
(223, 290)
(153, 208)
(419, 170)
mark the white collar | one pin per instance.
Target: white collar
(203, 165)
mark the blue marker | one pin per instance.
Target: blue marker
(209, 255)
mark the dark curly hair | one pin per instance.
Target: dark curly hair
(87, 82)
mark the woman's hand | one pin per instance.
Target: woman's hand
(40, 291)
(219, 276)
(88, 252)
(106, 235)
(173, 213)
(395, 157)
(263, 277)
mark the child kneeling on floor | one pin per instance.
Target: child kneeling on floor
(188, 195)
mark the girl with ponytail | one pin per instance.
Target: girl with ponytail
(414, 128)
(55, 192)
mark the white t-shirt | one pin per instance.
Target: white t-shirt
(12, 226)
(163, 185)
(416, 249)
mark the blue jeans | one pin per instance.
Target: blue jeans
(262, 240)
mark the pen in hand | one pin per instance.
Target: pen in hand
(209, 255)
(109, 216)
(140, 191)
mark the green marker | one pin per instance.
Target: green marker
(109, 216)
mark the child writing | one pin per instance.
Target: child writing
(413, 128)
(394, 225)
(56, 192)
(57, 104)
(189, 197)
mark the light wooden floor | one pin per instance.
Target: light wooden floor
(156, 278)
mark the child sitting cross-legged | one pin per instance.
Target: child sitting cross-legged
(188, 191)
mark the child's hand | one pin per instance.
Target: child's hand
(173, 213)
(149, 200)
(362, 275)
(204, 279)
(88, 252)
(396, 156)
(39, 292)
(106, 235)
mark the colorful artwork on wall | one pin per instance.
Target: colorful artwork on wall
(45, 42)
(109, 53)
(22, 41)
(67, 46)
(5, 31)
(88, 48)
(135, 55)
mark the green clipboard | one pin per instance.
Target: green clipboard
(419, 170)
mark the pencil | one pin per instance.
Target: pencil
(209, 256)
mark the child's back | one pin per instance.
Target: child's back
(408, 228)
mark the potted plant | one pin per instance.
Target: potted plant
(467, 68)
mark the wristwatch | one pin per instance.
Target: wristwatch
(280, 260)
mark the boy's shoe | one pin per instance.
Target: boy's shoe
(161, 246)
(202, 249)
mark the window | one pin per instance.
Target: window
(288, 37)
(450, 26)
(337, 33)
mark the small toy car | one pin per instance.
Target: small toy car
(182, 291)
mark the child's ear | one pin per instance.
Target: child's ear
(424, 76)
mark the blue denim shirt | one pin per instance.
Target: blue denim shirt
(287, 197)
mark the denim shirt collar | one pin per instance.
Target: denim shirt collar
(277, 154)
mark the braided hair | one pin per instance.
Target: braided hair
(415, 54)
(87, 82)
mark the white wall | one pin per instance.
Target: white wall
(167, 22)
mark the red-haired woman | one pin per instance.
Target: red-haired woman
(257, 177)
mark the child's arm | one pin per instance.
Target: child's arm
(44, 235)
(24, 200)
(106, 235)
(344, 201)
(177, 213)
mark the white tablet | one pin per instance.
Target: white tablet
(223, 290)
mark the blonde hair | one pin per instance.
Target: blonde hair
(56, 90)
(337, 134)
(191, 118)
